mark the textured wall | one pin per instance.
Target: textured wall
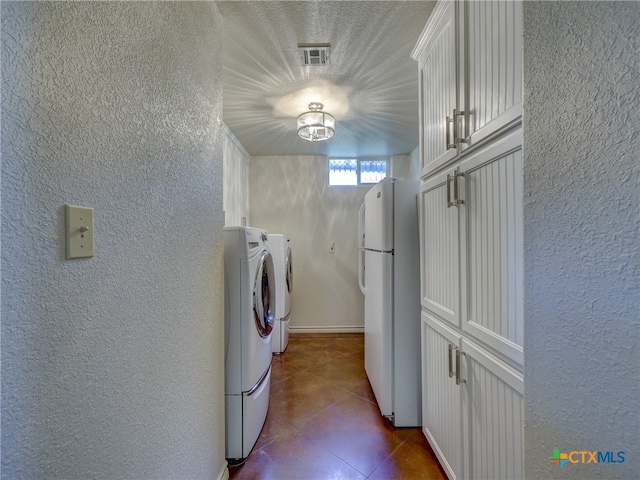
(236, 181)
(112, 367)
(290, 195)
(582, 254)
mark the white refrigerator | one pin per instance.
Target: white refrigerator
(389, 278)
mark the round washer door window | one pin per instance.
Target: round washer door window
(262, 300)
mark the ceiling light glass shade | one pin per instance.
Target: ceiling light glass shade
(316, 125)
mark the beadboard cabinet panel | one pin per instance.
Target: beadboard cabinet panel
(474, 418)
(471, 246)
(438, 88)
(491, 245)
(441, 415)
(493, 400)
(470, 68)
(439, 251)
(493, 66)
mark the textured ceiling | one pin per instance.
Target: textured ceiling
(370, 86)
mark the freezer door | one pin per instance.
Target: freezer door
(378, 327)
(378, 217)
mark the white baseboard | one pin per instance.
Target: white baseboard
(326, 329)
(224, 474)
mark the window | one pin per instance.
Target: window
(372, 171)
(356, 171)
(343, 171)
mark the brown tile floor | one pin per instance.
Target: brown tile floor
(324, 423)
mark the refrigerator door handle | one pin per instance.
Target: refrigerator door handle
(361, 249)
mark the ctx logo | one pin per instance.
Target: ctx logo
(586, 457)
(559, 458)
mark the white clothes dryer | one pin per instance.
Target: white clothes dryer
(249, 315)
(282, 260)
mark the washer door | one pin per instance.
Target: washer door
(264, 295)
(288, 268)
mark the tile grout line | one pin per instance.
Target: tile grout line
(316, 442)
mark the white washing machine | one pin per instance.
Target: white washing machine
(281, 251)
(249, 316)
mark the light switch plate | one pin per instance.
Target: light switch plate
(79, 231)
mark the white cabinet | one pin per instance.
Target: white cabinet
(439, 249)
(491, 250)
(492, 70)
(473, 417)
(470, 63)
(437, 68)
(471, 246)
(442, 413)
(471, 241)
(493, 415)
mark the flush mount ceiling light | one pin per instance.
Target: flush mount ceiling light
(316, 125)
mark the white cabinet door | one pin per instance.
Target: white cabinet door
(470, 64)
(493, 401)
(491, 78)
(441, 414)
(437, 59)
(439, 269)
(491, 247)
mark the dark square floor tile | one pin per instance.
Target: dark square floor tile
(277, 425)
(346, 372)
(304, 358)
(354, 430)
(294, 457)
(301, 396)
(413, 459)
(281, 369)
(352, 345)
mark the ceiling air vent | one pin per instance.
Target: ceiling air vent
(314, 54)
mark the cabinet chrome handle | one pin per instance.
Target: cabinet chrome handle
(458, 379)
(456, 192)
(452, 347)
(450, 120)
(457, 113)
(449, 202)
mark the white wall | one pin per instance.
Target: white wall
(582, 245)
(289, 194)
(236, 181)
(401, 167)
(406, 166)
(414, 161)
(112, 367)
